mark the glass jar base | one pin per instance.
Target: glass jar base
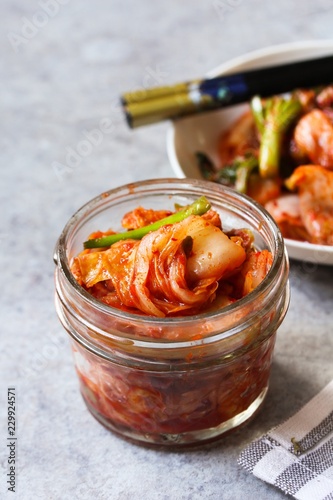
(192, 438)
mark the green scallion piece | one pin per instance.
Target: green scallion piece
(198, 207)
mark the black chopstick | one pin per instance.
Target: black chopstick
(147, 106)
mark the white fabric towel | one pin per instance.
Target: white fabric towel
(297, 456)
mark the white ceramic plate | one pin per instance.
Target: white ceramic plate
(188, 135)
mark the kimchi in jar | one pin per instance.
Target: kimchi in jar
(149, 369)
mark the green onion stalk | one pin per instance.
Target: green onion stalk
(198, 207)
(235, 174)
(239, 171)
(273, 117)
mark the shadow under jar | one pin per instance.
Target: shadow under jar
(180, 380)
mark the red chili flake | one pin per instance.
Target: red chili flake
(189, 357)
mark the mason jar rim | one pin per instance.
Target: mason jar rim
(61, 259)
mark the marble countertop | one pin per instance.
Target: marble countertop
(64, 64)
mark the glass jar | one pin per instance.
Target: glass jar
(181, 380)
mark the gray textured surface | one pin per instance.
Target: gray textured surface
(59, 80)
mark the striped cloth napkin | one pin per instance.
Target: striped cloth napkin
(297, 456)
